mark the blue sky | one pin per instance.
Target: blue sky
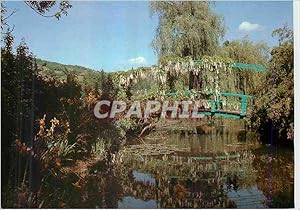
(118, 35)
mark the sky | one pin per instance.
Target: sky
(118, 35)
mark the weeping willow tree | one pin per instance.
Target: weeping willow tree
(246, 51)
(124, 81)
(189, 28)
(214, 72)
(217, 74)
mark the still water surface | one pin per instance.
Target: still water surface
(207, 166)
(185, 165)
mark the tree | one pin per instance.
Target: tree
(274, 109)
(17, 90)
(188, 28)
(18, 71)
(246, 51)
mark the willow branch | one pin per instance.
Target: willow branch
(30, 6)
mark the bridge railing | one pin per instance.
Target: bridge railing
(243, 101)
(219, 107)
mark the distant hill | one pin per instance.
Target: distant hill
(89, 77)
(85, 76)
(55, 65)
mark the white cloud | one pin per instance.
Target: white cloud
(138, 60)
(248, 27)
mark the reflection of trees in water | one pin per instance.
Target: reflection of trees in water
(275, 177)
(205, 138)
(179, 181)
(101, 190)
(184, 182)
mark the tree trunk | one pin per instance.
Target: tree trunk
(195, 81)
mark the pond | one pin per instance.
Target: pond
(188, 165)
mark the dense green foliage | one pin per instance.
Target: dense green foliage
(48, 126)
(186, 29)
(246, 51)
(16, 101)
(274, 111)
(85, 76)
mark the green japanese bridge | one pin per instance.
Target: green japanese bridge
(217, 106)
(217, 109)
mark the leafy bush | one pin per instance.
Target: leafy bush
(274, 108)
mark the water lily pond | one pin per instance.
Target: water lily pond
(188, 165)
(207, 166)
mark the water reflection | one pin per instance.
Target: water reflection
(188, 183)
(221, 168)
(131, 202)
(188, 166)
(247, 197)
